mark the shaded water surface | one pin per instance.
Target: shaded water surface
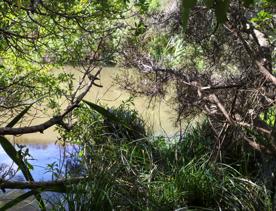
(44, 151)
(41, 156)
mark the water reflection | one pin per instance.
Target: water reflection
(42, 155)
(44, 151)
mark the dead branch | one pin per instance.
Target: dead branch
(213, 98)
(263, 70)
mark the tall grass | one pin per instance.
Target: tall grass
(153, 173)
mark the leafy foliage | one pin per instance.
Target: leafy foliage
(96, 124)
(220, 8)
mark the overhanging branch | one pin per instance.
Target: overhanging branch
(263, 70)
(56, 120)
(56, 186)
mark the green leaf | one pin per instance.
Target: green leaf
(16, 156)
(17, 200)
(107, 114)
(185, 17)
(209, 3)
(248, 2)
(221, 8)
(19, 116)
(269, 117)
(11, 151)
(188, 4)
(185, 9)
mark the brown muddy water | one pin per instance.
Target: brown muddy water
(158, 114)
(159, 118)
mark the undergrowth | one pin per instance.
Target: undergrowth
(130, 170)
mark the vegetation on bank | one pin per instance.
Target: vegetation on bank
(218, 56)
(131, 169)
(124, 166)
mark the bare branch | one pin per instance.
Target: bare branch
(265, 72)
(213, 98)
(58, 185)
(54, 120)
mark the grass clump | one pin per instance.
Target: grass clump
(130, 170)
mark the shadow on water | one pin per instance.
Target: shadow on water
(45, 158)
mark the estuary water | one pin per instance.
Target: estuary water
(43, 148)
(158, 115)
